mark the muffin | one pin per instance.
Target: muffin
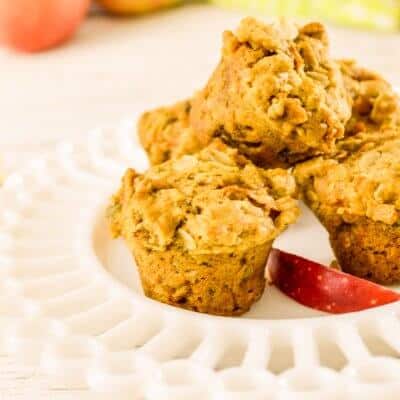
(275, 95)
(165, 132)
(357, 198)
(201, 227)
(376, 106)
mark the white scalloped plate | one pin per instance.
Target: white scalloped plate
(70, 299)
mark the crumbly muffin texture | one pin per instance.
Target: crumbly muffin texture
(201, 227)
(365, 184)
(364, 141)
(275, 95)
(368, 249)
(213, 201)
(357, 199)
(376, 106)
(165, 132)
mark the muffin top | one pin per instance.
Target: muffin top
(376, 106)
(365, 140)
(275, 95)
(165, 132)
(213, 201)
(365, 184)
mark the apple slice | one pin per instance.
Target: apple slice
(322, 288)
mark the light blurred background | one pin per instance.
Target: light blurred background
(153, 52)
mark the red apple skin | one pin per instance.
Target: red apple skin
(36, 25)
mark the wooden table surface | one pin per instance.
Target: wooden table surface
(113, 68)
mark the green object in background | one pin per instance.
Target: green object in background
(374, 14)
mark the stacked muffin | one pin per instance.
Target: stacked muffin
(202, 220)
(276, 96)
(356, 194)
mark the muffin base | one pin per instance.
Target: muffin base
(368, 249)
(221, 284)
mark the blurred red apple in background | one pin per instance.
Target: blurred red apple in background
(34, 25)
(127, 7)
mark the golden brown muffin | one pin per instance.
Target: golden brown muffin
(201, 228)
(364, 141)
(376, 106)
(369, 249)
(275, 95)
(165, 132)
(358, 201)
